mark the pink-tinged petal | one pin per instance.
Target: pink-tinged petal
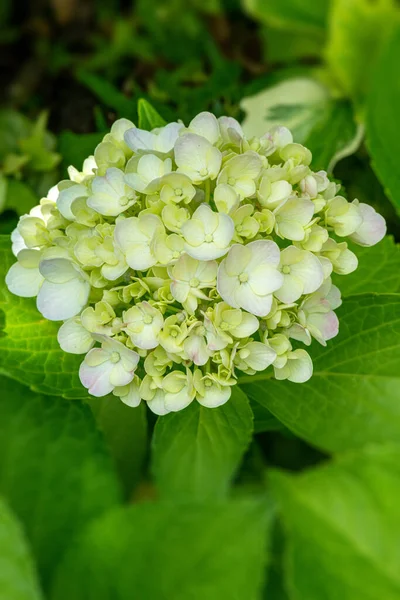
(96, 379)
(372, 228)
(327, 324)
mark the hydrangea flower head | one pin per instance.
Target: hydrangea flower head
(181, 257)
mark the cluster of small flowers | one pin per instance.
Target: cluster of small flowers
(190, 254)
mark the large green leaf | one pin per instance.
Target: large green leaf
(353, 397)
(357, 30)
(383, 119)
(306, 16)
(29, 350)
(343, 525)
(125, 431)
(196, 451)
(54, 470)
(334, 136)
(18, 579)
(378, 270)
(159, 551)
(297, 103)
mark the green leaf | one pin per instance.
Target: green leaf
(20, 197)
(29, 350)
(18, 579)
(352, 398)
(125, 431)
(297, 103)
(197, 451)
(54, 470)
(342, 524)
(264, 420)
(306, 16)
(357, 29)
(39, 146)
(154, 551)
(334, 136)
(378, 270)
(148, 116)
(13, 127)
(383, 119)
(108, 94)
(76, 147)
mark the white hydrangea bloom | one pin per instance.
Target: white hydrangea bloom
(74, 338)
(24, 277)
(241, 173)
(148, 169)
(110, 195)
(249, 275)
(181, 257)
(197, 158)
(161, 140)
(113, 365)
(64, 291)
(207, 234)
(302, 274)
(143, 324)
(135, 237)
(189, 277)
(372, 228)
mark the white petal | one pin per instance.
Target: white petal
(157, 404)
(254, 304)
(263, 252)
(261, 356)
(206, 125)
(139, 139)
(215, 396)
(291, 289)
(74, 338)
(265, 279)
(167, 136)
(24, 282)
(206, 251)
(227, 286)
(179, 401)
(61, 301)
(67, 197)
(247, 327)
(96, 379)
(58, 270)
(372, 229)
